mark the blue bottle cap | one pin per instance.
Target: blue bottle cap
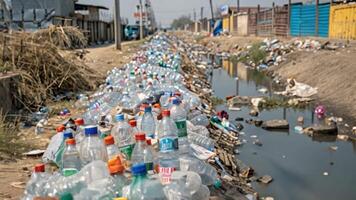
(139, 169)
(67, 134)
(148, 109)
(120, 117)
(91, 130)
(175, 101)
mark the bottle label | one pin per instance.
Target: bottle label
(149, 166)
(127, 150)
(165, 174)
(69, 171)
(182, 128)
(168, 144)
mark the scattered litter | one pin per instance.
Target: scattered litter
(298, 129)
(263, 90)
(265, 179)
(325, 173)
(253, 136)
(295, 88)
(20, 185)
(334, 148)
(234, 108)
(256, 102)
(254, 113)
(343, 137)
(300, 120)
(36, 152)
(257, 142)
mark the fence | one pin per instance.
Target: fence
(321, 20)
(343, 21)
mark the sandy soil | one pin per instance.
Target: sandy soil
(105, 57)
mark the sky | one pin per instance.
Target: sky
(167, 10)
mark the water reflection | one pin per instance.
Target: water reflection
(295, 161)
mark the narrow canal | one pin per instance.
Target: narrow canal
(302, 167)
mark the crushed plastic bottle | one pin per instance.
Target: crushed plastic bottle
(202, 140)
(92, 148)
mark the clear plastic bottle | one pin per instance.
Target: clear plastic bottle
(164, 100)
(54, 145)
(92, 148)
(201, 140)
(148, 125)
(143, 188)
(123, 136)
(184, 185)
(116, 169)
(134, 129)
(35, 183)
(168, 148)
(142, 153)
(179, 116)
(71, 163)
(79, 132)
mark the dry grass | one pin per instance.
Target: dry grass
(45, 70)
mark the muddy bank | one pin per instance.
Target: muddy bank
(331, 71)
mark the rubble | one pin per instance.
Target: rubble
(275, 124)
(321, 129)
(265, 179)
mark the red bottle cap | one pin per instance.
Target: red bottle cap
(79, 122)
(166, 113)
(133, 123)
(60, 128)
(40, 167)
(140, 137)
(109, 140)
(70, 141)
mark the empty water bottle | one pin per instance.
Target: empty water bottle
(92, 148)
(148, 123)
(35, 182)
(123, 136)
(116, 169)
(142, 187)
(179, 116)
(71, 162)
(201, 140)
(142, 153)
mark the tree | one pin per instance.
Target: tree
(181, 22)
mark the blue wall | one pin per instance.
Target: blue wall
(302, 20)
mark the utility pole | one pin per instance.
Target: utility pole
(141, 25)
(201, 13)
(195, 15)
(238, 6)
(211, 8)
(117, 25)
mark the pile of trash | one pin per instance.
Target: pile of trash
(158, 145)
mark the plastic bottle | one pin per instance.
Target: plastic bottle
(207, 173)
(35, 182)
(54, 145)
(179, 116)
(142, 153)
(184, 185)
(201, 140)
(59, 154)
(123, 136)
(92, 148)
(71, 163)
(116, 170)
(143, 188)
(79, 133)
(164, 100)
(148, 125)
(168, 148)
(134, 129)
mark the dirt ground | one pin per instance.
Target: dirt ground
(15, 174)
(105, 57)
(332, 72)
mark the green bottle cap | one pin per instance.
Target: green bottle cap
(66, 196)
